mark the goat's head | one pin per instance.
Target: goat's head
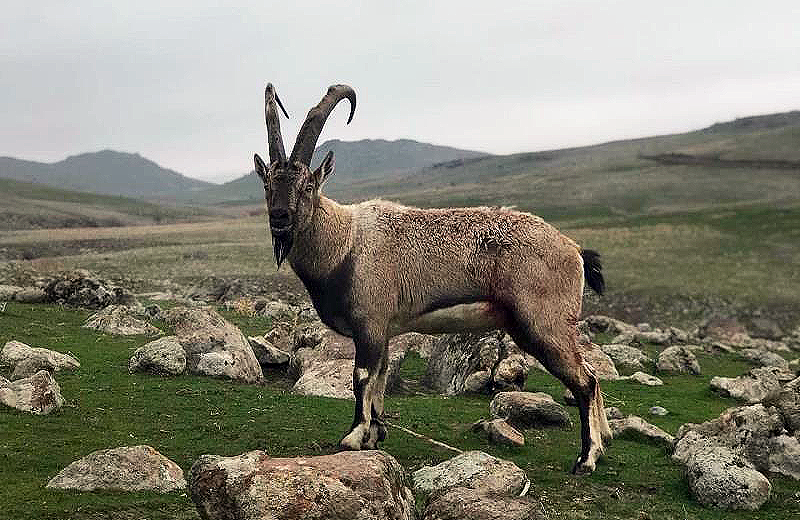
(292, 189)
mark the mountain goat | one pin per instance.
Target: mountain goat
(378, 269)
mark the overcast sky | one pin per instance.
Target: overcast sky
(182, 83)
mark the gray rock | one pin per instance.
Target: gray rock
(128, 468)
(38, 394)
(637, 428)
(119, 319)
(644, 379)
(7, 292)
(82, 289)
(30, 295)
(511, 373)
(604, 324)
(601, 362)
(753, 386)
(213, 346)
(500, 432)
(628, 358)
(29, 367)
(787, 401)
(765, 328)
(363, 485)
(656, 337)
(473, 470)
(612, 412)
(281, 336)
(266, 353)
(14, 352)
(464, 503)
(721, 328)
(720, 478)
(162, 356)
(678, 359)
(421, 344)
(455, 357)
(764, 358)
(529, 409)
(658, 410)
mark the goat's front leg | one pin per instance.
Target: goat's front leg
(371, 349)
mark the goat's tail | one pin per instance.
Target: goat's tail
(592, 270)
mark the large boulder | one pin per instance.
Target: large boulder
(121, 320)
(213, 345)
(162, 356)
(528, 409)
(266, 352)
(628, 358)
(764, 358)
(15, 352)
(83, 289)
(463, 363)
(465, 503)
(128, 468)
(753, 386)
(678, 360)
(474, 470)
(720, 478)
(362, 485)
(38, 394)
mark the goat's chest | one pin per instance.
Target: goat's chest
(332, 299)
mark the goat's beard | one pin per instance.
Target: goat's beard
(281, 244)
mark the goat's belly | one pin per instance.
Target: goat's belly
(466, 317)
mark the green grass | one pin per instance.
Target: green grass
(187, 416)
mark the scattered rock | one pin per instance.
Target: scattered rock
(644, 379)
(721, 328)
(162, 356)
(598, 323)
(787, 401)
(7, 292)
(764, 358)
(656, 337)
(464, 503)
(30, 295)
(266, 353)
(753, 386)
(636, 428)
(473, 470)
(119, 319)
(82, 289)
(601, 362)
(658, 410)
(511, 373)
(457, 356)
(767, 328)
(364, 485)
(612, 412)
(128, 468)
(500, 432)
(720, 478)
(678, 359)
(29, 367)
(15, 352)
(528, 409)
(213, 346)
(38, 394)
(628, 358)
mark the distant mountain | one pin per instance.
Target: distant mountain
(106, 172)
(355, 161)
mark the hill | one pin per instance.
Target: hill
(355, 161)
(26, 205)
(105, 172)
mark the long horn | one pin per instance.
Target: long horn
(315, 120)
(276, 151)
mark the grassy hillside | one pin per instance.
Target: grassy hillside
(106, 172)
(26, 205)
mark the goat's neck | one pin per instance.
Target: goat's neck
(322, 245)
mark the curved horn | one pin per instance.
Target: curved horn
(276, 151)
(315, 120)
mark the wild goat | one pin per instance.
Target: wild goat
(377, 269)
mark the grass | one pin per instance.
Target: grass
(187, 416)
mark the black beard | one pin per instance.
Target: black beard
(281, 244)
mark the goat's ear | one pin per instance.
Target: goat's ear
(325, 169)
(261, 168)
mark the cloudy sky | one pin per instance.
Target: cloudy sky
(182, 83)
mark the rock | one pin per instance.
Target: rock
(464, 503)
(474, 470)
(721, 328)
(604, 324)
(645, 379)
(656, 337)
(628, 358)
(162, 356)
(7, 292)
(787, 401)
(266, 353)
(637, 428)
(455, 357)
(29, 367)
(764, 358)
(753, 386)
(213, 346)
(364, 485)
(511, 373)
(30, 295)
(14, 352)
(119, 319)
(128, 468)
(421, 344)
(81, 288)
(214, 289)
(678, 359)
(38, 394)
(277, 310)
(500, 432)
(569, 399)
(612, 412)
(718, 477)
(528, 409)
(784, 456)
(765, 328)
(280, 336)
(679, 335)
(603, 365)
(658, 410)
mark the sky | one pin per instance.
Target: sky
(182, 82)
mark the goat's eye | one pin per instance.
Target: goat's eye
(309, 188)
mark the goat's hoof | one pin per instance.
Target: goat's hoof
(583, 468)
(354, 441)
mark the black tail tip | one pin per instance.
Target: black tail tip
(592, 270)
